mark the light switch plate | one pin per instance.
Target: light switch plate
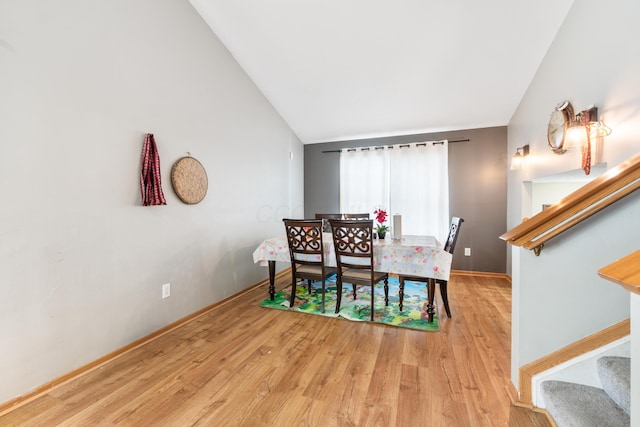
(166, 290)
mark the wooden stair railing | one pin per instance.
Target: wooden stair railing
(594, 196)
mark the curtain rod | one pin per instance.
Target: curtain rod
(400, 145)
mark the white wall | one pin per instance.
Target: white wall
(81, 261)
(635, 357)
(558, 297)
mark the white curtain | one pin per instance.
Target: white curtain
(408, 179)
(419, 176)
(364, 180)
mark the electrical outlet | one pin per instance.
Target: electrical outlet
(166, 290)
(467, 251)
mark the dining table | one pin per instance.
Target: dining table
(422, 256)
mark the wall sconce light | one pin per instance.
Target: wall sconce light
(599, 129)
(521, 153)
(590, 118)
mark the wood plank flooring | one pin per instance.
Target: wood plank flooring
(244, 365)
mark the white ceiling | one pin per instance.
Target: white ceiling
(350, 69)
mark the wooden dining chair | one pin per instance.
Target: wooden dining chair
(353, 244)
(326, 227)
(449, 246)
(307, 255)
(356, 216)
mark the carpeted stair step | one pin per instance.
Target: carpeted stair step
(578, 405)
(615, 375)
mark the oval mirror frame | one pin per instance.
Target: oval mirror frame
(558, 124)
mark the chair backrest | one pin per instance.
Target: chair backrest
(325, 220)
(353, 243)
(328, 216)
(454, 228)
(356, 216)
(304, 237)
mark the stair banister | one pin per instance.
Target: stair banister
(591, 198)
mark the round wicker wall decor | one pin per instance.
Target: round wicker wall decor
(189, 180)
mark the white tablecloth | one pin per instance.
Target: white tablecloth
(412, 255)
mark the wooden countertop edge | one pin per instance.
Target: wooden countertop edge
(624, 272)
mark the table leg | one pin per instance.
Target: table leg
(401, 292)
(432, 291)
(272, 279)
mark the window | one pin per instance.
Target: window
(408, 179)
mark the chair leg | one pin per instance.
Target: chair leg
(386, 292)
(293, 292)
(309, 286)
(339, 296)
(401, 292)
(431, 285)
(354, 291)
(443, 294)
(373, 292)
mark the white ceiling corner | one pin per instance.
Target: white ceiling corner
(338, 70)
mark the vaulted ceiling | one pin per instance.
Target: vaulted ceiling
(351, 69)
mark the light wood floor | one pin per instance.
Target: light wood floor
(243, 365)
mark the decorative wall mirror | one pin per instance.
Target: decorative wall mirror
(559, 122)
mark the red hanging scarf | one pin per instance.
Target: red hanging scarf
(150, 183)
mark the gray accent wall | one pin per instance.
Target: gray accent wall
(477, 187)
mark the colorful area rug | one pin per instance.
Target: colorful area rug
(413, 315)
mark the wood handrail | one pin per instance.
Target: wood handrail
(591, 198)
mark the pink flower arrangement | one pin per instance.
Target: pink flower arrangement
(381, 218)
